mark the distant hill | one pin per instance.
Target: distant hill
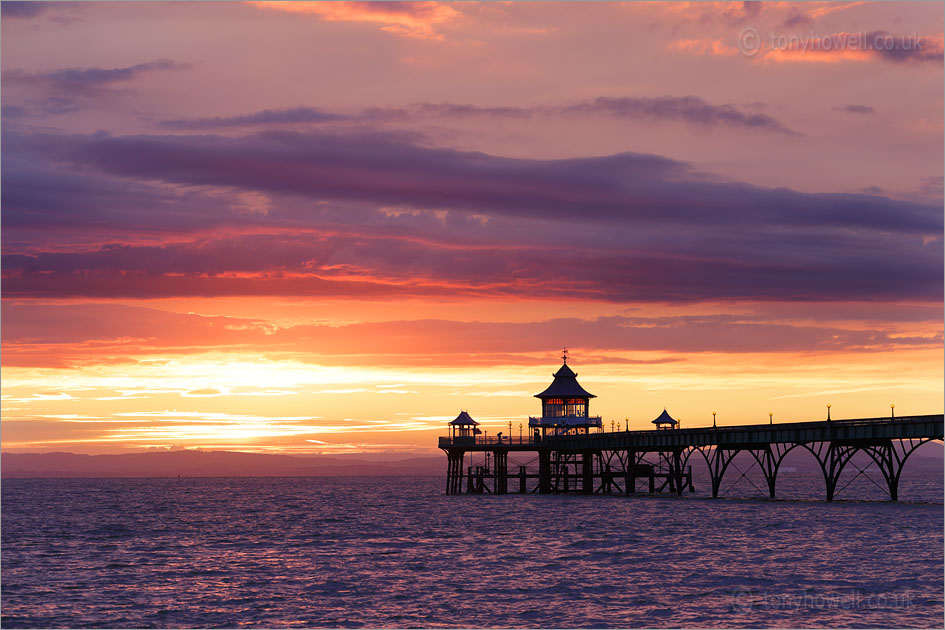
(192, 463)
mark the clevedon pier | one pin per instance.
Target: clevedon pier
(567, 450)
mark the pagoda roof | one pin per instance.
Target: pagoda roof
(464, 419)
(565, 385)
(664, 418)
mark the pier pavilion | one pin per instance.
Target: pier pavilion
(568, 450)
(564, 406)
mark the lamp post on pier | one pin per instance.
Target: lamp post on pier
(892, 411)
(713, 420)
(828, 412)
(770, 417)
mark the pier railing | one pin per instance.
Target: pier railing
(489, 440)
(856, 429)
(859, 429)
(565, 421)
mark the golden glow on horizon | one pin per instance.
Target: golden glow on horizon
(242, 402)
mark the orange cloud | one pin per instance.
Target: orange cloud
(411, 19)
(713, 47)
(794, 54)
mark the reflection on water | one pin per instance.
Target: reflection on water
(398, 553)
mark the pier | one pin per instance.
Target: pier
(567, 451)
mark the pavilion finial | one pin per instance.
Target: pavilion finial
(564, 356)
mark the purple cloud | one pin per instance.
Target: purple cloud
(904, 49)
(796, 18)
(691, 109)
(688, 109)
(356, 214)
(13, 111)
(85, 81)
(389, 169)
(265, 117)
(369, 261)
(457, 111)
(16, 9)
(855, 109)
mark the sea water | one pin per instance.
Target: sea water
(397, 552)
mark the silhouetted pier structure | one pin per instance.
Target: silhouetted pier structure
(572, 458)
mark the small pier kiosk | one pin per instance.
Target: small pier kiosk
(463, 429)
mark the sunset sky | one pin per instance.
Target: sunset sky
(328, 228)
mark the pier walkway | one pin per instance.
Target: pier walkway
(613, 462)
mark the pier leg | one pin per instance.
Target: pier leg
(890, 465)
(895, 468)
(891, 456)
(833, 470)
(675, 472)
(716, 471)
(544, 472)
(501, 471)
(893, 483)
(454, 472)
(629, 478)
(718, 464)
(522, 488)
(836, 457)
(588, 474)
(470, 487)
(449, 474)
(771, 471)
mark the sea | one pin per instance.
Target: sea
(398, 553)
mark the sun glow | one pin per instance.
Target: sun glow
(257, 403)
